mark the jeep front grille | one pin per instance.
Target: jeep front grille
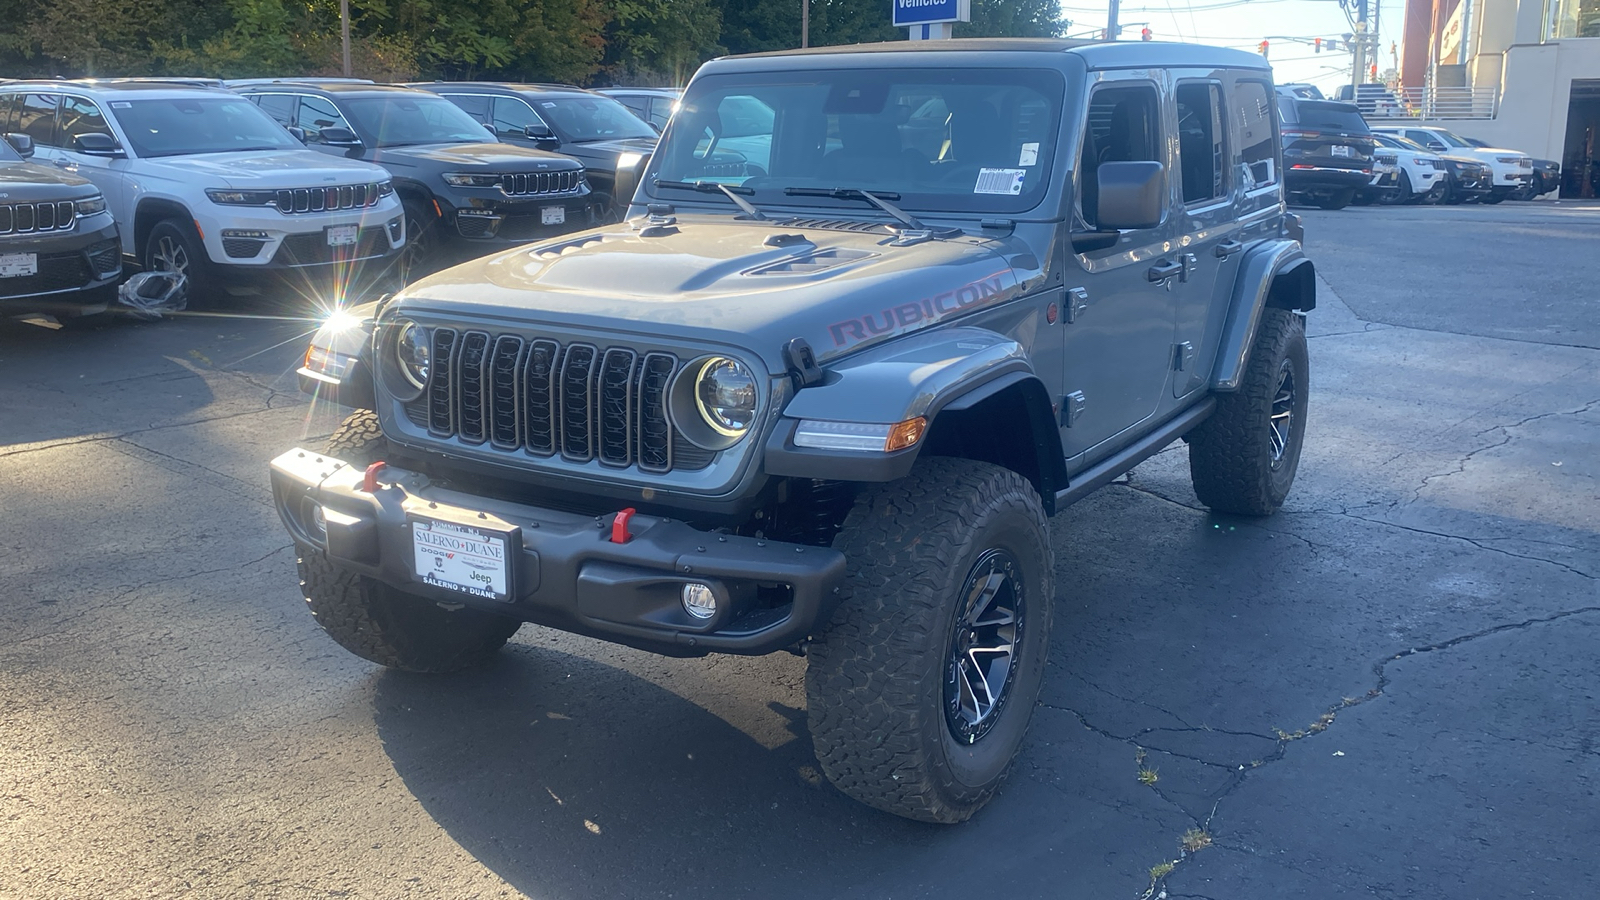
(541, 182)
(577, 402)
(328, 199)
(33, 218)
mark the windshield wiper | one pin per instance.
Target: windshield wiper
(914, 228)
(712, 187)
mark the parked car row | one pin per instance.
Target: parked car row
(1333, 158)
(328, 182)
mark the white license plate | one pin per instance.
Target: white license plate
(1343, 150)
(16, 265)
(470, 560)
(343, 235)
(552, 215)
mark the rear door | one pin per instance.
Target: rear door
(1206, 223)
(1326, 134)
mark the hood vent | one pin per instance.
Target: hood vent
(838, 225)
(813, 262)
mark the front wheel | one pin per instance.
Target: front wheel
(174, 246)
(1337, 199)
(920, 690)
(1244, 457)
(1400, 194)
(420, 252)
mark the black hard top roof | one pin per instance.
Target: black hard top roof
(1097, 54)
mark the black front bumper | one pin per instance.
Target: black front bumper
(484, 227)
(69, 264)
(565, 571)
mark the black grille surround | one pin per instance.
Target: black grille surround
(566, 402)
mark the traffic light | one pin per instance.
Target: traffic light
(1144, 34)
(1317, 44)
(1263, 48)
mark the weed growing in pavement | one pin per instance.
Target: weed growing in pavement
(1149, 776)
(1194, 840)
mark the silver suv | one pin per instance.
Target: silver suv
(203, 182)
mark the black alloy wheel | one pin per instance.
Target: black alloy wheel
(1280, 430)
(1401, 193)
(417, 255)
(983, 646)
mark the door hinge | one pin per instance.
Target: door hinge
(1072, 408)
(1190, 263)
(1077, 303)
(1183, 356)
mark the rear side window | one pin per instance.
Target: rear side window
(1326, 115)
(1250, 112)
(1200, 142)
(80, 116)
(279, 106)
(37, 118)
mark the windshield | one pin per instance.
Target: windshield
(1405, 144)
(418, 118)
(187, 125)
(580, 119)
(962, 140)
(1452, 139)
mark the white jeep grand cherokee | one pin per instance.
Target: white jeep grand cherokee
(203, 182)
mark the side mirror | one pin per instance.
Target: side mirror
(338, 137)
(542, 136)
(1435, 145)
(1131, 195)
(21, 143)
(298, 133)
(98, 145)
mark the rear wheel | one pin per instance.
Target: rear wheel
(922, 687)
(1243, 458)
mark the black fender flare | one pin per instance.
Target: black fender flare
(1276, 274)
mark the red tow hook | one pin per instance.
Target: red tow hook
(369, 481)
(619, 526)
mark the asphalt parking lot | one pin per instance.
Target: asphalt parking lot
(1386, 690)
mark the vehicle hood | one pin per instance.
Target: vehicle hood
(262, 169)
(724, 281)
(470, 157)
(31, 181)
(1490, 154)
(592, 149)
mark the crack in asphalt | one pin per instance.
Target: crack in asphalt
(262, 496)
(1506, 437)
(1476, 542)
(121, 595)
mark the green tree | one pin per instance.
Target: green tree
(661, 41)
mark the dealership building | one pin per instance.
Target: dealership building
(1519, 74)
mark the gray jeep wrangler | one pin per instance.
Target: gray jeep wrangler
(876, 314)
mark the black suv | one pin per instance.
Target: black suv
(1328, 151)
(58, 244)
(612, 143)
(465, 193)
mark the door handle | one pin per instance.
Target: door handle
(64, 163)
(1163, 270)
(1228, 248)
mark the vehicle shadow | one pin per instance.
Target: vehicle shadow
(571, 778)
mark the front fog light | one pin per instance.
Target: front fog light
(699, 600)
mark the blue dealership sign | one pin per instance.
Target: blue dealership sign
(929, 12)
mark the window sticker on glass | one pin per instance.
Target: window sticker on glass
(121, 104)
(547, 104)
(1000, 181)
(1030, 155)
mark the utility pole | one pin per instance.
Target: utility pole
(1112, 28)
(805, 23)
(344, 28)
(1358, 71)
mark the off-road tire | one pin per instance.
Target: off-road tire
(875, 682)
(358, 440)
(395, 629)
(1231, 456)
(377, 622)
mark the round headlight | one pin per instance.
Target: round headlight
(412, 352)
(725, 393)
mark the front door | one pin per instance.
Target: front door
(79, 116)
(1121, 300)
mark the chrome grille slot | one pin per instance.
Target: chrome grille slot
(538, 393)
(505, 426)
(577, 402)
(655, 433)
(7, 220)
(25, 217)
(441, 418)
(541, 182)
(45, 217)
(469, 386)
(616, 406)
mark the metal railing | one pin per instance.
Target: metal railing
(1379, 102)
